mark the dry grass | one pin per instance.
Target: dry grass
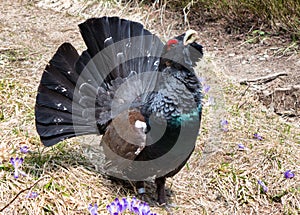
(269, 15)
(221, 181)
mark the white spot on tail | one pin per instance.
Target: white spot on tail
(59, 105)
(62, 89)
(148, 53)
(120, 54)
(107, 39)
(58, 120)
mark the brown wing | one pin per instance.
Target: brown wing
(123, 140)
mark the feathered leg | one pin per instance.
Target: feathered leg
(160, 190)
(140, 186)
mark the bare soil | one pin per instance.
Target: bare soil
(247, 57)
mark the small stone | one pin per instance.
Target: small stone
(262, 59)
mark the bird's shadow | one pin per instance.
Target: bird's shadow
(51, 159)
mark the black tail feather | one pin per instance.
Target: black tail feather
(52, 134)
(57, 111)
(76, 92)
(99, 33)
(116, 49)
(116, 42)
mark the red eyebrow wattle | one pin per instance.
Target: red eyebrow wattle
(172, 41)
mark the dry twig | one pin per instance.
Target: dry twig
(22, 191)
(264, 79)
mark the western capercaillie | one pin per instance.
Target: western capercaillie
(142, 95)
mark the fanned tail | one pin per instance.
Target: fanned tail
(55, 112)
(117, 47)
(76, 93)
(118, 54)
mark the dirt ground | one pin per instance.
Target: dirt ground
(240, 57)
(249, 56)
(30, 33)
(254, 60)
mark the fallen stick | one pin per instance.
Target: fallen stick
(22, 191)
(264, 79)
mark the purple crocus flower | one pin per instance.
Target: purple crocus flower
(32, 195)
(93, 209)
(133, 202)
(206, 88)
(241, 146)
(117, 206)
(263, 186)
(143, 208)
(112, 209)
(123, 204)
(17, 162)
(224, 125)
(257, 136)
(134, 206)
(24, 149)
(289, 174)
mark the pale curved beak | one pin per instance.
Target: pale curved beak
(190, 37)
